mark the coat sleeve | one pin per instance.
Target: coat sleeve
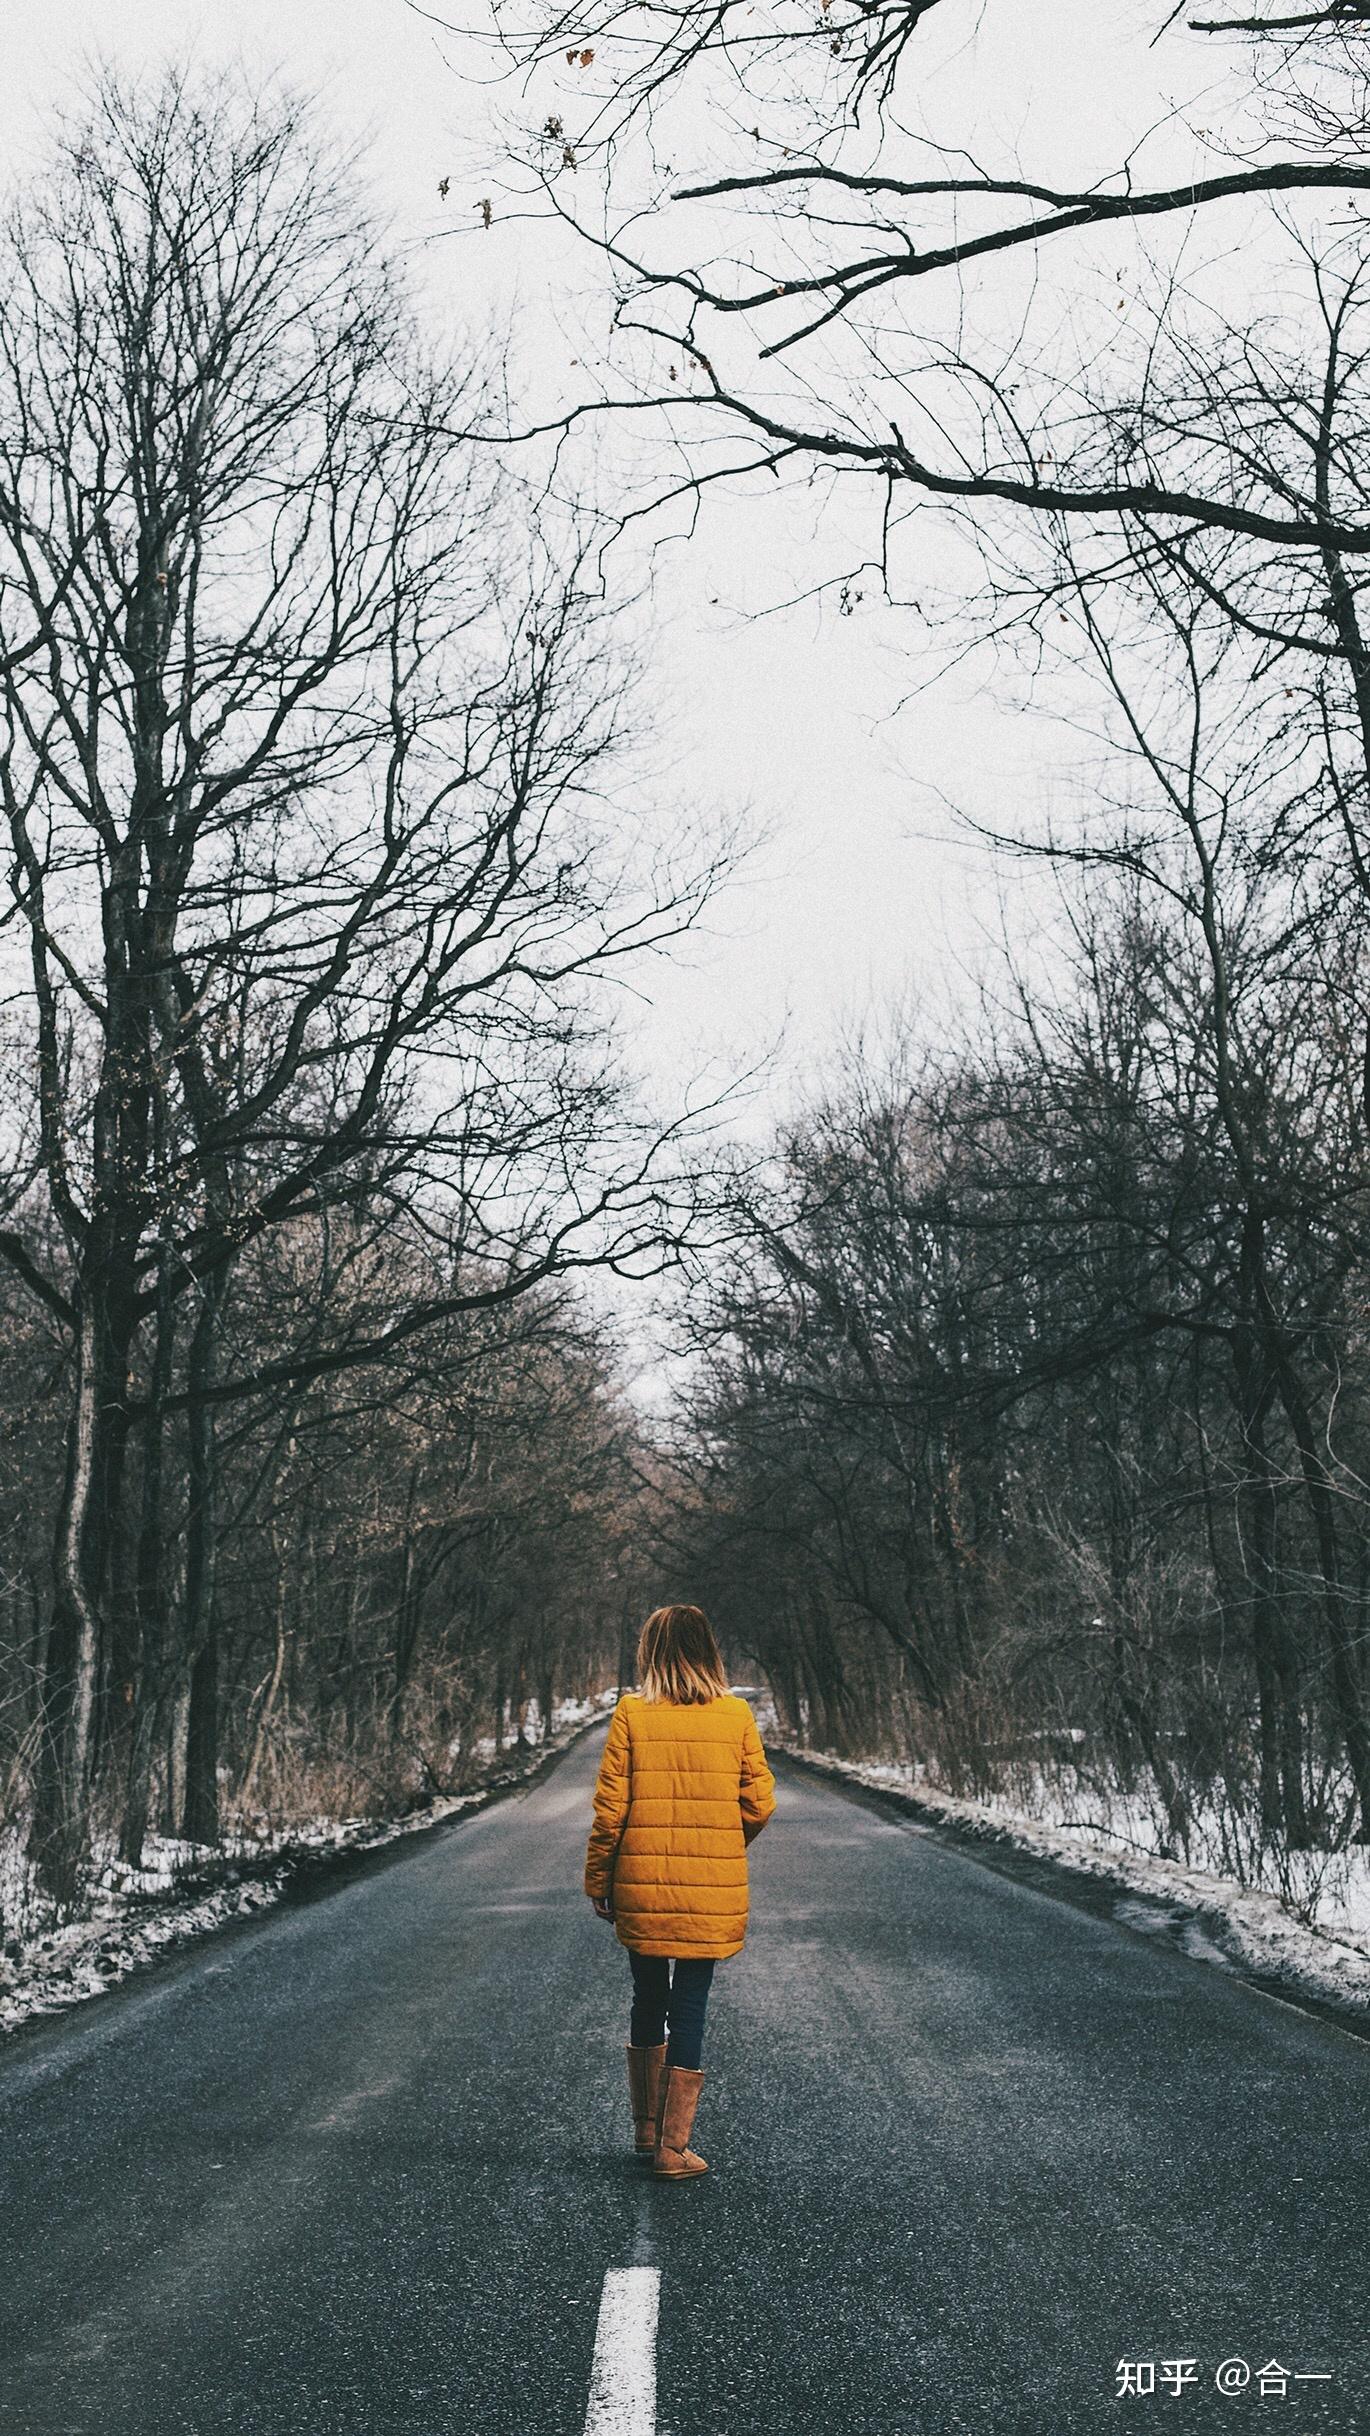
(758, 1784)
(612, 1790)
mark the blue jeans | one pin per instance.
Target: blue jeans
(676, 1994)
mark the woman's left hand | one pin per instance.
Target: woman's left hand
(604, 1909)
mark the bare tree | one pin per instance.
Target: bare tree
(1028, 1421)
(824, 306)
(307, 744)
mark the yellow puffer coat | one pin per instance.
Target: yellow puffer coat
(681, 1793)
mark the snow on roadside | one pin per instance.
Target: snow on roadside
(1217, 1919)
(139, 1914)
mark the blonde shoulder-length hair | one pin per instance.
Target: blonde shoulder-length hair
(678, 1658)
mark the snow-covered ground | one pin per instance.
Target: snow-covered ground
(186, 1889)
(1312, 1933)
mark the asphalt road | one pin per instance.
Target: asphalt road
(361, 2167)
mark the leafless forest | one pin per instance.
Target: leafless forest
(315, 1470)
(1025, 1416)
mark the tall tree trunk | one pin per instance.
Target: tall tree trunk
(92, 1480)
(151, 1685)
(1277, 1669)
(201, 1821)
(269, 1697)
(408, 1613)
(177, 1736)
(1348, 1685)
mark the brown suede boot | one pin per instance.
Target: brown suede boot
(644, 2086)
(675, 2160)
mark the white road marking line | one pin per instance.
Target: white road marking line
(623, 2376)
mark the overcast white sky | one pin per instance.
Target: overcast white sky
(864, 893)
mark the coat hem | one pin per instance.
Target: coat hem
(679, 1951)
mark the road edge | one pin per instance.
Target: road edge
(1095, 1890)
(271, 1883)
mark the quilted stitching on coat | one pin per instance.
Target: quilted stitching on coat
(681, 1793)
